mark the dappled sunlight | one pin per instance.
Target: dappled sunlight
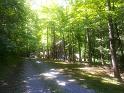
(61, 83)
(71, 80)
(81, 79)
(65, 81)
(61, 62)
(99, 72)
(111, 81)
(60, 70)
(24, 81)
(51, 74)
(96, 77)
(38, 62)
(52, 80)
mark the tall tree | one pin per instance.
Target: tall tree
(112, 42)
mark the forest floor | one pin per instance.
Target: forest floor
(37, 76)
(34, 76)
(99, 78)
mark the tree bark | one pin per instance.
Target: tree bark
(47, 44)
(79, 49)
(101, 49)
(111, 43)
(85, 42)
(89, 47)
(118, 38)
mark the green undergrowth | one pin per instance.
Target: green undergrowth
(8, 65)
(101, 84)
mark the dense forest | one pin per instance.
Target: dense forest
(77, 31)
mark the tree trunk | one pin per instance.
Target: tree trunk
(111, 43)
(47, 44)
(79, 49)
(118, 38)
(85, 42)
(89, 47)
(54, 48)
(64, 51)
(101, 49)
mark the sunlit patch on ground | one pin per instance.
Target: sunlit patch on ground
(62, 78)
(38, 62)
(81, 79)
(61, 83)
(51, 74)
(48, 75)
(112, 81)
(71, 80)
(24, 81)
(99, 78)
(102, 73)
